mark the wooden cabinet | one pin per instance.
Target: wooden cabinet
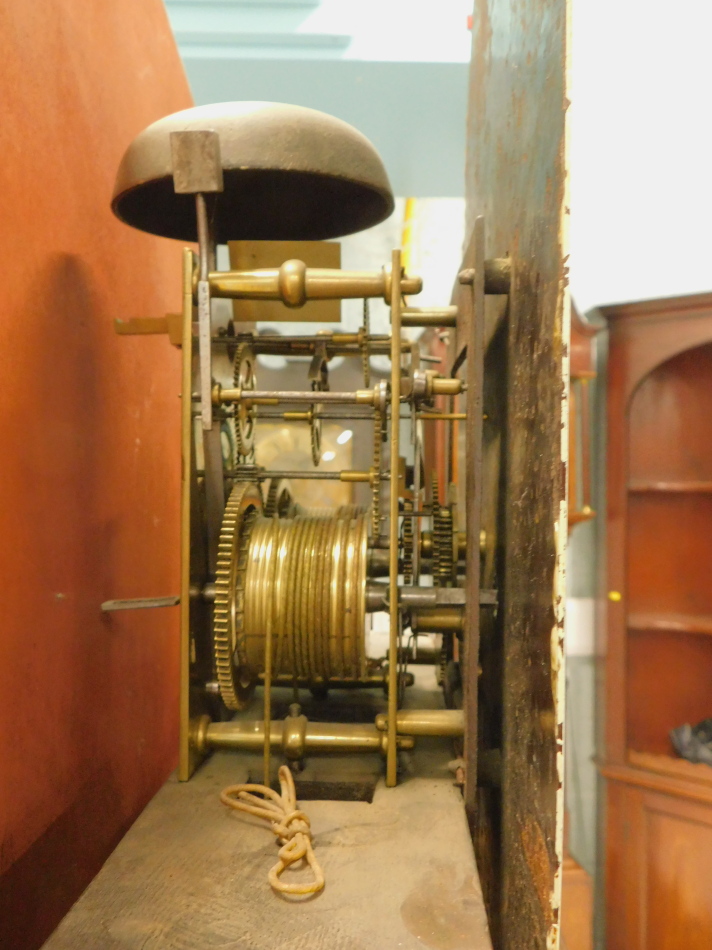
(659, 626)
(576, 906)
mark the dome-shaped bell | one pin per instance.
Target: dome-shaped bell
(289, 173)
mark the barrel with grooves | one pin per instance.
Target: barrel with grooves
(306, 580)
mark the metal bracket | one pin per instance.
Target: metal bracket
(197, 170)
(139, 603)
(171, 324)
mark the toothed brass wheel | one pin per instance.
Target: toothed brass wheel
(379, 437)
(279, 499)
(244, 379)
(407, 541)
(235, 680)
(443, 540)
(365, 355)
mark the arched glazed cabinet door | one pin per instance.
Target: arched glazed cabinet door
(669, 551)
(658, 651)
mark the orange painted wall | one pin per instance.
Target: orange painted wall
(89, 451)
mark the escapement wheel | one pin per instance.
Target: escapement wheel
(244, 379)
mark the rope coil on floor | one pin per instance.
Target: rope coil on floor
(290, 825)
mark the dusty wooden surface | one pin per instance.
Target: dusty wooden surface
(516, 178)
(192, 874)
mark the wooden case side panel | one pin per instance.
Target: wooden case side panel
(516, 178)
(91, 462)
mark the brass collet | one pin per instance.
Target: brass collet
(428, 383)
(441, 386)
(438, 620)
(425, 722)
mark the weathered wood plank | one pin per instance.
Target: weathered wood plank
(516, 178)
(192, 875)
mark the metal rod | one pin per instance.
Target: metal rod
(310, 338)
(429, 317)
(299, 476)
(184, 754)
(396, 292)
(212, 438)
(274, 397)
(377, 596)
(319, 737)
(140, 603)
(430, 416)
(426, 722)
(440, 619)
(380, 347)
(201, 214)
(338, 344)
(293, 283)
(290, 348)
(378, 562)
(346, 475)
(204, 327)
(328, 417)
(369, 681)
(496, 275)
(459, 360)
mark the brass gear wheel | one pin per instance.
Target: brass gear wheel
(443, 564)
(230, 655)
(446, 564)
(434, 495)
(443, 537)
(407, 540)
(244, 418)
(279, 498)
(378, 421)
(365, 355)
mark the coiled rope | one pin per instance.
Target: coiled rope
(290, 825)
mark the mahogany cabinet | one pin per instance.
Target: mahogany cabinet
(659, 623)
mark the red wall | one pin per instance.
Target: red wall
(89, 457)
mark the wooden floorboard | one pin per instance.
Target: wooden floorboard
(192, 875)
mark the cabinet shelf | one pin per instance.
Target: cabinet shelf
(676, 487)
(671, 623)
(671, 766)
